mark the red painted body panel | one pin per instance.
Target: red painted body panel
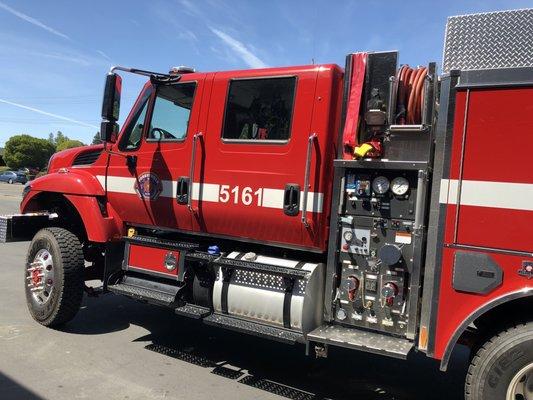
(256, 166)
(66, 157)
(251, 165)
(497, 148)
(72, 181)
(151, 259)
(168, 161)
(455, 307)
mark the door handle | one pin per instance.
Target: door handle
(310, 143)
(182, 190)
(291, 199)
(195, 139)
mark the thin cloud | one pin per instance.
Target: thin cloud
(104, 55)
(33, 21)
(48, 114)
(240, 49)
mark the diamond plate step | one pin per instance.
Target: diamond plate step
(253, 328)
(372, 342)
(147, 290)
(193, 311)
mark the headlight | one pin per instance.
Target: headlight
(26, 190)
(400, 186)
(380, 185)
(49, 163)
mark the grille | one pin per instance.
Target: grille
(87, 158)
(502, 39)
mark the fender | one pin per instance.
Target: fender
(526, 292)
(99, 228)
(69, 181)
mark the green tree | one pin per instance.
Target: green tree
(60, 138)
(96, 138)
(27, 151)
(68, 144)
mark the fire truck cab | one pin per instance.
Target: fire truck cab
(379, 207)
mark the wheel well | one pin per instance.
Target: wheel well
(494, 317)
(503, 315)
(69, 217)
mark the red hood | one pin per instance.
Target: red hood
(65, 158)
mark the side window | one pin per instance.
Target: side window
(171, 113)
(131, 138)
(259, 109)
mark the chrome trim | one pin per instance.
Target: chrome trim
(195, 139)
(310, 142)
(461, 166)
(135, 71)
(391, 106)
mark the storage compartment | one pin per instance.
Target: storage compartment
(161, 262)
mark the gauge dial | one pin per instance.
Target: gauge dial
(348, 236)
(380, 185)
(399, 186)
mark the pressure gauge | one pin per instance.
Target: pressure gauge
(380, 185)
(348, 236)
(399, 186)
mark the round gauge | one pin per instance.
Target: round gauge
(348, 236)
(380, 185)
(399, 186)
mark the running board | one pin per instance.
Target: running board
(254, 328)
(146, 290)
(357, 339)
(193, 311)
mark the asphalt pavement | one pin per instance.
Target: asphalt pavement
(117, 348)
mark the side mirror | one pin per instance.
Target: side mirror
(111, 102)
(111, 108)
(108, 131)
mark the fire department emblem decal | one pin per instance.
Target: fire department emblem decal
(148, 186)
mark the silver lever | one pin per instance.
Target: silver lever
(311, 139)
(195, 139)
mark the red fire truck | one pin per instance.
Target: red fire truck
(379, 207)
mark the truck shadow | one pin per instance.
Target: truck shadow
(274, 367)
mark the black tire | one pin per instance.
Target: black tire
(10, 181)
(498, 361)
(68, 277)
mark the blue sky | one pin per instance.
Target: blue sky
(54, 54)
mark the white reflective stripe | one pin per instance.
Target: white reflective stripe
(515, 196)
(118, 184)
(443, 194)
(314, 201)
(209, 191)
(271, 198)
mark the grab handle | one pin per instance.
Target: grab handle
(310, 142)
(195, 139)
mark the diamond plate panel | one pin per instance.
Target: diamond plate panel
(501, 39)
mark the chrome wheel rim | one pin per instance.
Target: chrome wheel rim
(40, 276)
(521, 386)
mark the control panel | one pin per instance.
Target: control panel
(376, 244)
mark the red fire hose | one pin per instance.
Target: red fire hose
(410, 93)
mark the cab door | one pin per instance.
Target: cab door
(251, 179)
(148, 175)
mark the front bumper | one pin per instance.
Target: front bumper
(22, 227)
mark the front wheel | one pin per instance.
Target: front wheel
(502, 369)
(10, 181)
(54, 276)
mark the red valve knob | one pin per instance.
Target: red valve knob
(388, 292)
(352, 284)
